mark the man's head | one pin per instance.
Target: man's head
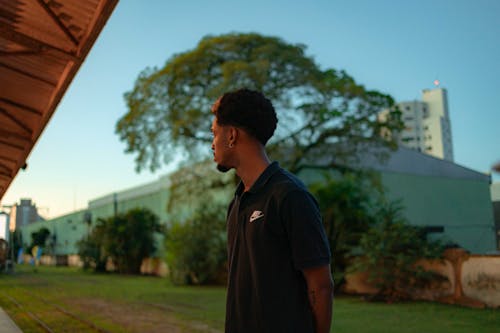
(241, 110)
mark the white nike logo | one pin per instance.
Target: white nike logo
(257, 214)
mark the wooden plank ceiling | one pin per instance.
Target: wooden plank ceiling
(42, 45)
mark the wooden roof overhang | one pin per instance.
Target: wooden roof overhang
(42, 45)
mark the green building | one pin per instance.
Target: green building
(447, 199)
(450, 201)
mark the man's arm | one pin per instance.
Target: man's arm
(320, 290)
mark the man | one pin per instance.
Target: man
(279, 259)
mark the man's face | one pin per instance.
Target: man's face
(220, 146)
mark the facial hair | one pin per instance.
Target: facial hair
(223, 168)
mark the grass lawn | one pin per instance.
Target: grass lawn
(149, 304)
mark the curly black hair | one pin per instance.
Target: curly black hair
(249, 110)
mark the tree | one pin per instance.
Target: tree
(125, 238)
(391, 255)
(17, 241)
(91, 248)
(322, 113)
(38, 238)
(347, 202)
(196, 248)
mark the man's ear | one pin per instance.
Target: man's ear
(233, 135)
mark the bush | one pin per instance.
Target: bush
(391, 251)
(196, 249)
(347, 208)
(125, 238)
(38, 238)
(91, 251)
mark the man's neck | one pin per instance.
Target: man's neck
(250, 171)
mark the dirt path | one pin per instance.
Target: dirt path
(138, 317)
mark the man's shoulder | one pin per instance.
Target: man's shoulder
(284, 181)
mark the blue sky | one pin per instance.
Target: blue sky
(397, 47)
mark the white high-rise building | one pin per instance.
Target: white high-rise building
(427, 124)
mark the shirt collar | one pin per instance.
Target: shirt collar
(262, 180)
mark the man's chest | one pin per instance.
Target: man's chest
(254, 224)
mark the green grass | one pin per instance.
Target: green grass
(143, 304)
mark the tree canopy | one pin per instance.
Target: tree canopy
(322, 113)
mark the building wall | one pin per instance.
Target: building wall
(461, 206)
(435, 193)
(438, 121)
(71, 228)
(427, 124)
(68, 229)
(495, 198)
(472, 280)
(23, 214)
(412, 135)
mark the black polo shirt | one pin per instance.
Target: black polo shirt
(274, 231)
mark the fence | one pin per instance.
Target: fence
(472, 280)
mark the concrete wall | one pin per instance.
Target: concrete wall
(472, 280)
(481, 279)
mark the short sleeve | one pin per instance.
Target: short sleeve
(302, 221)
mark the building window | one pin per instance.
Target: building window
(408, 118)
(425, 112)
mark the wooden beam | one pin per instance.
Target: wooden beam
(27, 74)
(7, 133)
(17, 121)
(21, 106)
(18, 53)
(61, 25)
(7, 158)
(3, 166)
(5, 175)
(10, 34)
(10, 144)
(101, 16)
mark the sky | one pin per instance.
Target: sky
(396, 47)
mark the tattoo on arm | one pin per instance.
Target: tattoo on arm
(312, 298)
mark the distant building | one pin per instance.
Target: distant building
(23, 214)
(495, 199)
(447, 200)
(427, 124)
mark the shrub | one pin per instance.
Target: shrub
(346, 205)
(196, 249)
(125, 238)
(91, 251)
(391, 252)
(38, 238)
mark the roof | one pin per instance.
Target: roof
(410, 161)
(42, 45)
